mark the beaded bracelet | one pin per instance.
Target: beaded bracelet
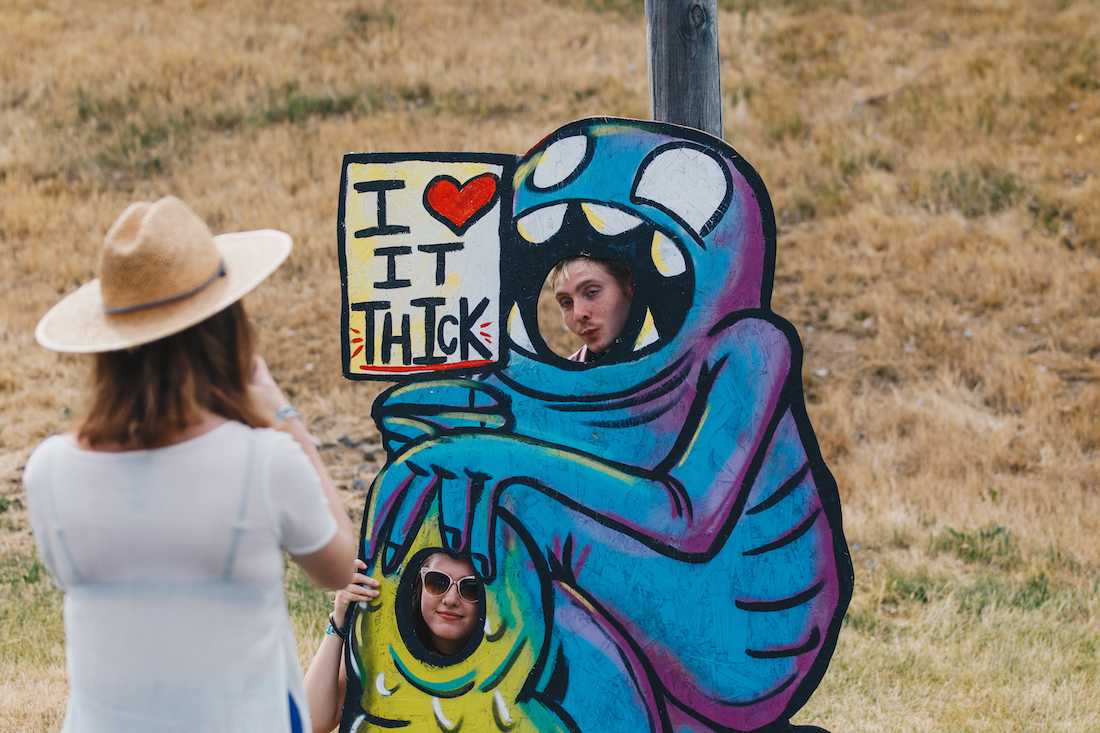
(334, 630)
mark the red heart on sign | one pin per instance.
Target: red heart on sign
(459, 205)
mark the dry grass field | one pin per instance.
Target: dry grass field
(935, 168)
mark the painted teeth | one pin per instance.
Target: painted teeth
(517, 330)
(648, 334)
(609, 221)
(541, 224)
(666, 256)
(490, 634)
(500, 712)
(380, 685)
(444, 722)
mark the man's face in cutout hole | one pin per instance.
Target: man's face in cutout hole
(594, 303)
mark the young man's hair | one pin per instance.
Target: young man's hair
(141, 396)
(617, 269)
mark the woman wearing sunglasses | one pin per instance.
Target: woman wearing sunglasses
(446, 596)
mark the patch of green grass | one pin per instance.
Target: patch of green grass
(912, 587)
(103, 114)
(5, 504)
(139, 149)
(988, 591)
(792, 128)
(974, 192)
(993, 545)
(618, 7)
(20, 570)
(30, 609)
(131, 141)
(851, 166)
(869, 623)
(291, 104)
(363, 20)
(740, 93)
(1050, 216)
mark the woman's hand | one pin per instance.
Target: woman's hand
(362, 589)
(265, 392)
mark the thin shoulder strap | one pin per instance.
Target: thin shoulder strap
(240, 524)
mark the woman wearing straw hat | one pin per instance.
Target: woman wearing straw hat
(164, 517)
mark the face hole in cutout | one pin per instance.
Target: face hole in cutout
(660, 266)
(416, 631)
(585, 301)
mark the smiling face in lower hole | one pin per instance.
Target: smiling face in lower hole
(594, 298)
(449, 615)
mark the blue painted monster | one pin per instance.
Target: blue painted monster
(672, 497)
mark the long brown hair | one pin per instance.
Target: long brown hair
(141, 396)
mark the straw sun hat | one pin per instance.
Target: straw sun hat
(160, 271)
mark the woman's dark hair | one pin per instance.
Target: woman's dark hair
(141, 396)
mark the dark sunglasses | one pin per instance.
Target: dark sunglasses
(438, 583)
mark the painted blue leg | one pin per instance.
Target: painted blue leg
(595, 680)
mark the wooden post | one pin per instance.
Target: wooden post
(683, 63)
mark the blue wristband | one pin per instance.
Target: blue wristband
(286, 412)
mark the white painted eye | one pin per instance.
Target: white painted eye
(559, 160)
(609, 221)
(541, 224)
(687, 182)
(517, 330)
(648, 334)
(667, 257)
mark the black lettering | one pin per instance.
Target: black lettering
(467, 321)
(369, 307)
(404, 337)
(447, 347)
(380, 188)
(429, 305)
(441, 249)
(391, 254)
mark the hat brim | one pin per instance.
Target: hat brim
(79, 325)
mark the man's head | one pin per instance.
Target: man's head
(594, 296)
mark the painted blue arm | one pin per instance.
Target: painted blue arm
(677, 508)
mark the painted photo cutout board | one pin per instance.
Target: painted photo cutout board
(659, 537)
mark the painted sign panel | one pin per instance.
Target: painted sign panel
(420, 243)
(659, 535)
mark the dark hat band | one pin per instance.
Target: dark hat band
(220, 272)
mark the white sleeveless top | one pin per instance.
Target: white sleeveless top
(172, 566)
